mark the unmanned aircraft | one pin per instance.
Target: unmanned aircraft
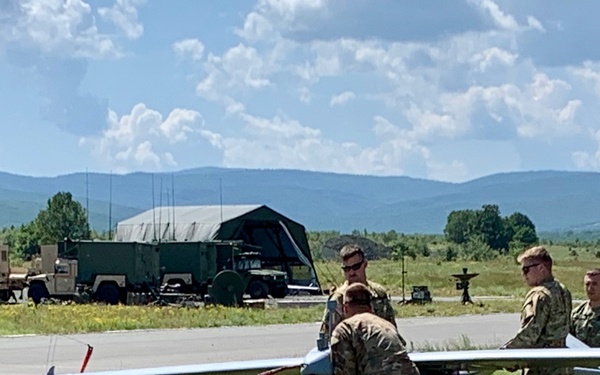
(583, 359)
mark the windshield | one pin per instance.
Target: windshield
(248, 264)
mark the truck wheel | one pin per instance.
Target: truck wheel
(37, 292)
(108, 293)
(279, 291)
(257, 289)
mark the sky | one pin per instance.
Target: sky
(449, 91)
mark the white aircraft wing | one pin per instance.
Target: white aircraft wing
(318, 363)
(237, 368)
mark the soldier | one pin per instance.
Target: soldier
(585, 318)
(354, 265)
(366, 344)
(545, 315)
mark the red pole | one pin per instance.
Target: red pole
(87, 358)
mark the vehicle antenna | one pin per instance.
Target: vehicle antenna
(153, 212)
(87, 197)
(221, 197)
(110, 207)
(160, 210)
(173, 198)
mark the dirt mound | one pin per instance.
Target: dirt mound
(373, 250)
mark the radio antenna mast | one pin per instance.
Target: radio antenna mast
(160, 210)
(153, 211)
(221, 197)
(173, 199)
(110, 207)
(87, 197)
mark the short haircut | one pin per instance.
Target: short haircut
(593, 272)
(357, 294)
(537, 254)
(350, 250)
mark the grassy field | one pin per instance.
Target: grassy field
(51, 319)
(498, 277)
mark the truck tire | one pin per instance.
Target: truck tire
(108, 293)
(257, 289)
(37, 292)
(279, 291)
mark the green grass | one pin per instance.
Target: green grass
(50, 319)
(498, 277)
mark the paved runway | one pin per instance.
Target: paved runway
(32, 355)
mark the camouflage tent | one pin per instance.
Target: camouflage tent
(281, 241)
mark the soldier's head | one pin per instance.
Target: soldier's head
(354, 264)
(536, 265)
(357, 300)
(591, 282)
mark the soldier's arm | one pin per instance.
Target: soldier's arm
(534, 317)
(390, 312)
(572, 323)
(342, 352)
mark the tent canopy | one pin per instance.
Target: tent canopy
(282, 241)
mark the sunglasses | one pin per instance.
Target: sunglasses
(526, 269)
(353, 267)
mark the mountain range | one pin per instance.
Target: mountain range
(553, 200)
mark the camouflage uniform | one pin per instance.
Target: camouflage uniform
(545, 321)
(585, 324)
(380, 302)
(367, 344)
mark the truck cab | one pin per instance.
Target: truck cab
(259, 281)
(58, 277)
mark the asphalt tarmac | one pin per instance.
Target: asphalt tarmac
(33, 355)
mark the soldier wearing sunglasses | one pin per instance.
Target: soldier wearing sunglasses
(585, 318)
(546, 312)
(354, 265)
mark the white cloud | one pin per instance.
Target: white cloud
(342, 98)
(488, 57)
(589, 73)
(239, 69)
(585, 160)
(288, 10)
(505, 21)
(192, 47)
(142, 139)
(179, 124)
(124, 15)
(60, 27)
(535, 24)
(256, 27)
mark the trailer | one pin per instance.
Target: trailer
(193, 267)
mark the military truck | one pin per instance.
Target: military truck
(196, 267)
(104, 272)
(260, 281)
(11, 278)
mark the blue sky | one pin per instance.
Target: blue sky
(442, 90)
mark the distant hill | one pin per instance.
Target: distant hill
(321, 201)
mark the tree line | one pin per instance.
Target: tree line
(62, 218)
(470, 234)
(487, 226)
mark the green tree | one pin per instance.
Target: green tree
(62, 218)
(521, 229)
(460, 226)
(21, 241)
(491, 227)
